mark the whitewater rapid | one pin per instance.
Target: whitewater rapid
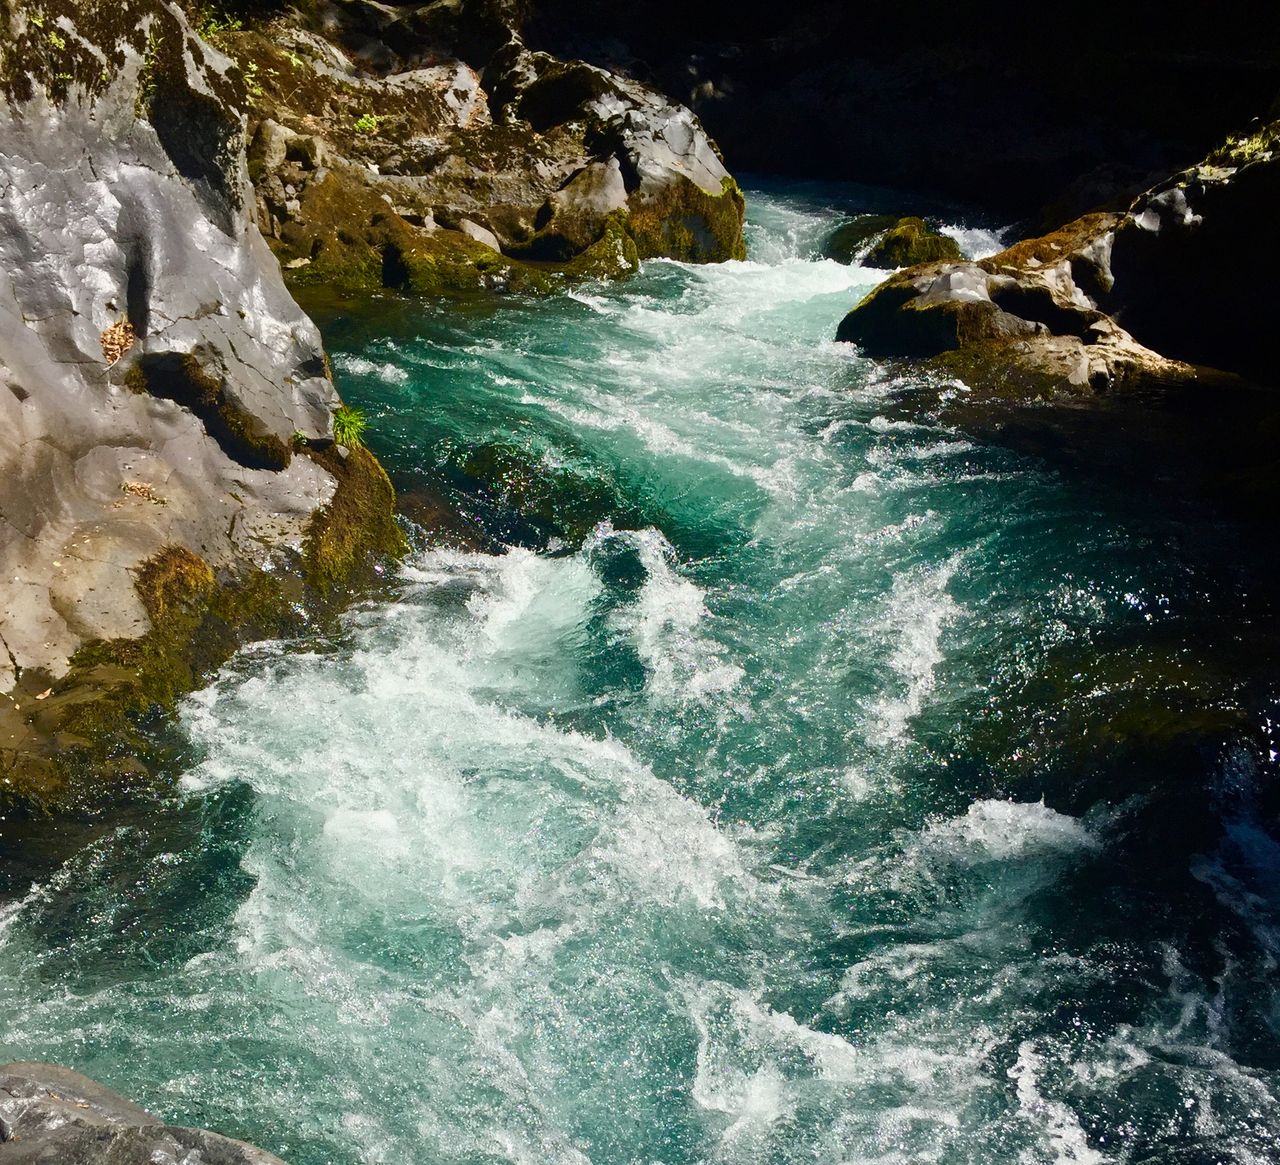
(674, 842)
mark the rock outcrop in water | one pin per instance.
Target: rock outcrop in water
(1154, 295)
(884, 240)
(52, 1115)
(424, 147)
(169, 476)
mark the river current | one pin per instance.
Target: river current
(734, 795)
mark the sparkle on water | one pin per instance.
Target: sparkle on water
(673, 844)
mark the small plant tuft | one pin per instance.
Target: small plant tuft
(348, 427)
(214, 22)
(367, 123)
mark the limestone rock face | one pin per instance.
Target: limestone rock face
(374, 127)
(1153, 295)
(155, 374)
(51, 1114)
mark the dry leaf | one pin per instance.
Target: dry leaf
(117, 340)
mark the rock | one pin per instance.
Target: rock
(307, 150)
(1031, 320)
(1145, 297)
(50, 1114)
(128, 213)
(573, 217)
(850, 241)
(883, 240)
(908, 242)
(539, 152)
(270, 146)
(473, 230)
(1190, 260)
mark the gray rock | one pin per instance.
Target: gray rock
(108, 219)
(1154, 296)
(473, 230)
(539, 152)
(53, 1116)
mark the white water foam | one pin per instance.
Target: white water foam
(915, 615)
(664, 621)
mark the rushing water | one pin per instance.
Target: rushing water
(702, 821)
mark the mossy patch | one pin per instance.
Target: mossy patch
(909, 242)
(357, 527)
(532, 500)
(97, 725)
(196, 381)
(682, 221)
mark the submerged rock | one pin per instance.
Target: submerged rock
(1149, 296)
(160, 391)
(884, 240)
(52, 1114)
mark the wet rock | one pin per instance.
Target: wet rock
(540, 153)
(51, 1114)
(850, 241)
(1033, 320)
(473, 230)
(908, 242)
(156, 376)
(889, 241)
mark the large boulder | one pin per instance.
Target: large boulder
(51, 1114)
(157, 381)
(380, 130)
(1156, 294)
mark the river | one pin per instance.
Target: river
(755, 780)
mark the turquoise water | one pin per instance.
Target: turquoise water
(747, 782)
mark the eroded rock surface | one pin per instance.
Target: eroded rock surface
(156, 378)
(1159, 294)
(50, 1114)
(395, 146)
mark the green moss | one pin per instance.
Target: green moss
(909, 242)
(96, 724)
(195, 380)
(682, 221)
(563, 501)
(358, 525)
(613, 255)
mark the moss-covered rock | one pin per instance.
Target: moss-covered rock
(357, 527)
(97, 724)
(887, 240)
(355, 173)
(1029, 319)
(909, 242)
(682, 221)
(850, 241)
